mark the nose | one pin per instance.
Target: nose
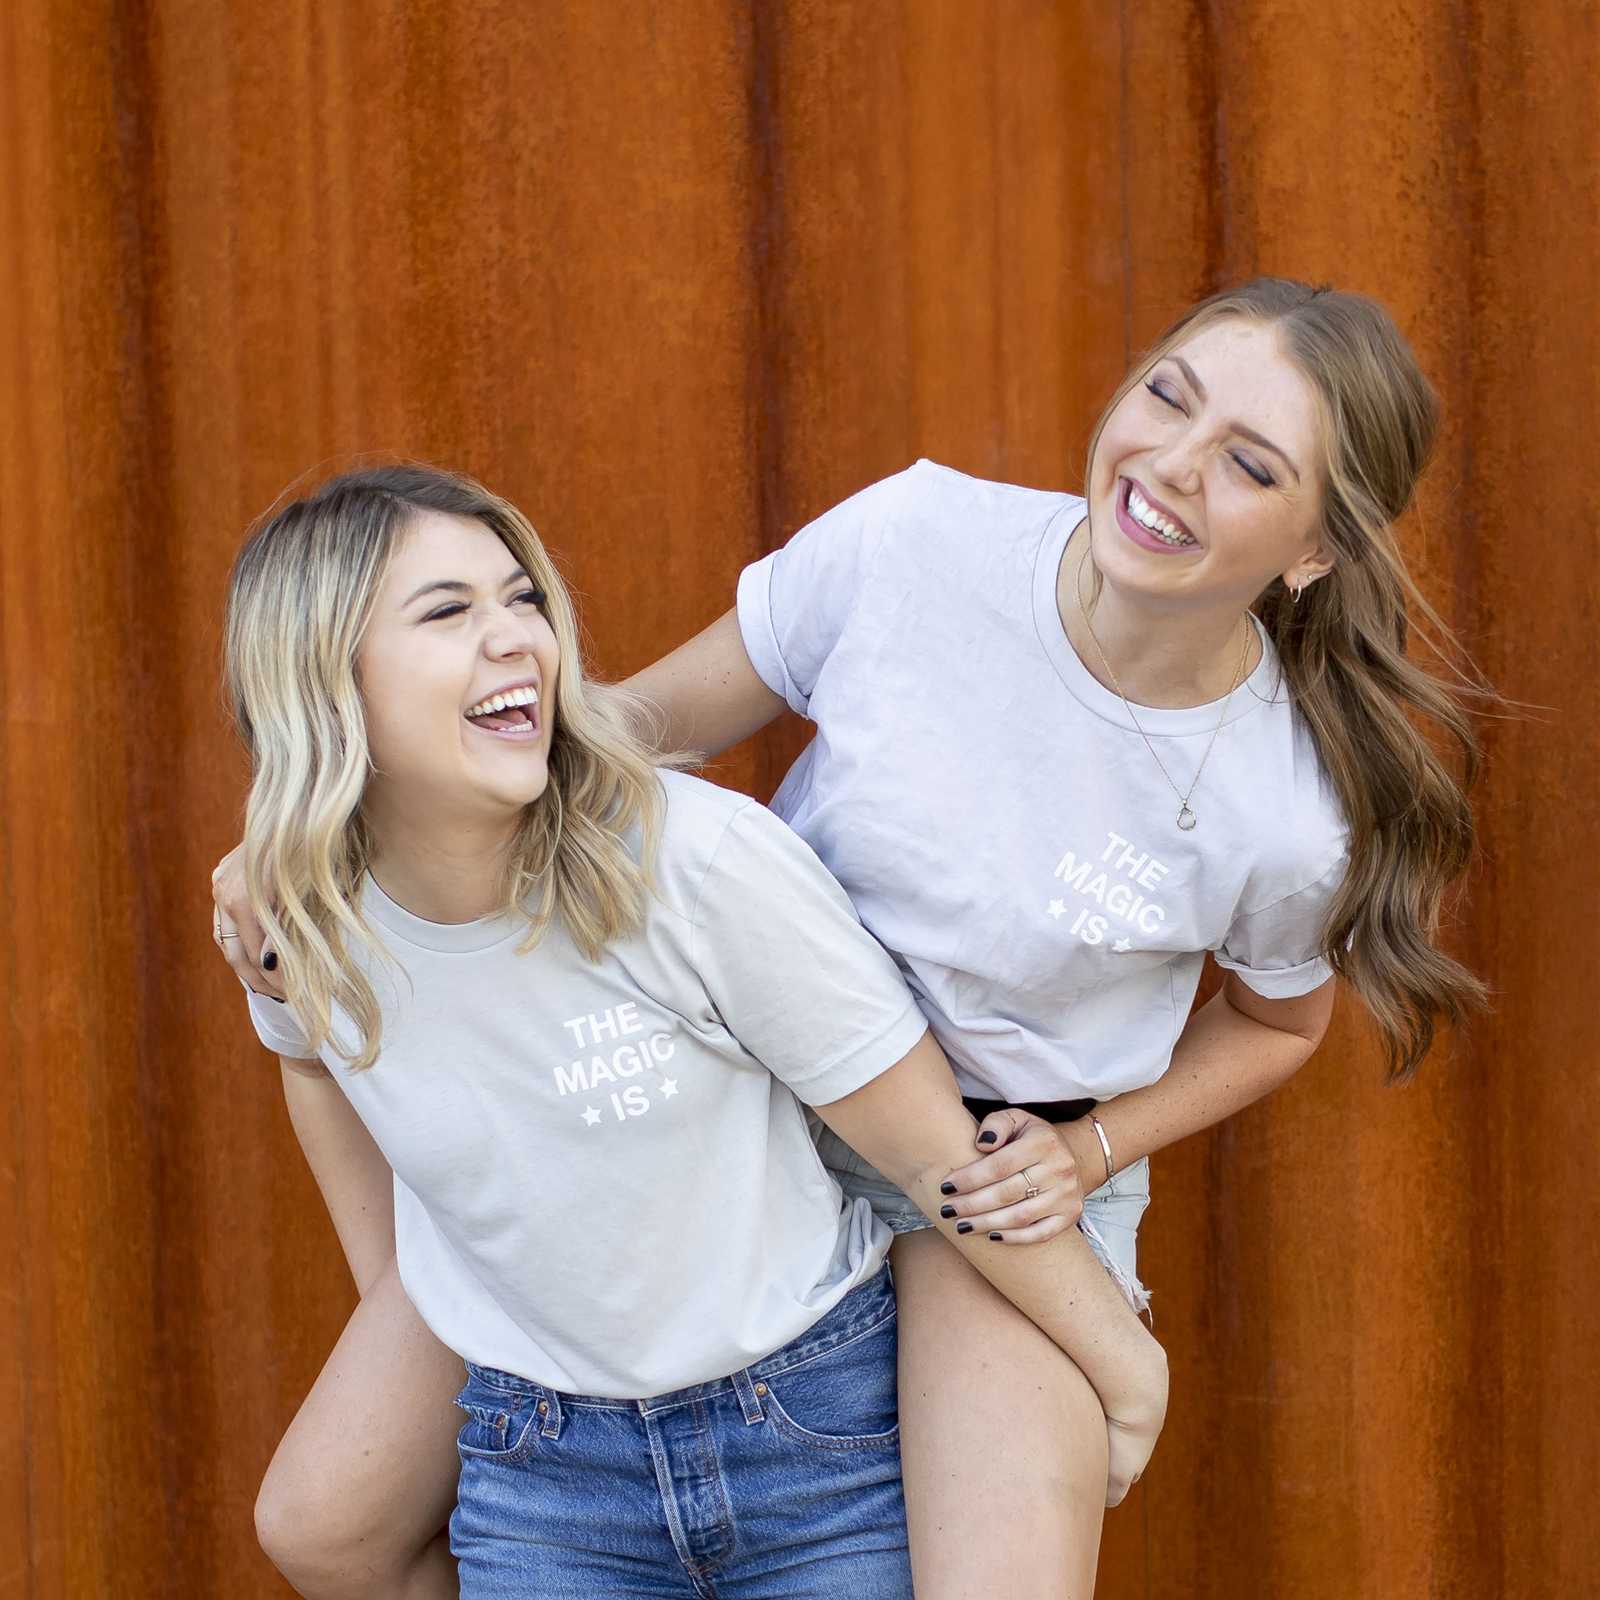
(510, 634)
(1177, 462)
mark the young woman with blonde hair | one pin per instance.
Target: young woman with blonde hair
(571, 1000)
(1065, 748)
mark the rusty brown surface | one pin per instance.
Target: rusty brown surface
(675, 278)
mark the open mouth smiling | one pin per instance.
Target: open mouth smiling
(1147, 523)
(511, 713)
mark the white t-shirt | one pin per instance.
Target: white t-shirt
(603, 1181)
(994, 814)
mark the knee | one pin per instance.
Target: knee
(1083, 1422)
(316, 1547)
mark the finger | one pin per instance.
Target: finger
(1034, 1233)
(245, 941)
(239, 916)
(248, 972)
(1021, 1213)
(998, 1128)
(1037, 1146)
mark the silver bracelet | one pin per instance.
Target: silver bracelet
(1105, 1146)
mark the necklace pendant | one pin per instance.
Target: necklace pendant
(1187, 819)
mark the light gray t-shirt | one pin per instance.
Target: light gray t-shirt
(992, 810)
(603, 1177)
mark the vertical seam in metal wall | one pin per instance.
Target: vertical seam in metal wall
(1484, 1362)
(766, 225)
(1122, 181)
(766, 371)
(998, 432)
(144, 238)
(1216, 191)
(21, 419)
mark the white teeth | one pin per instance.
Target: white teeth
(526, 696)
(1148, 517)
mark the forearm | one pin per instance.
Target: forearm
(1224, 1060)
(910, 1123)
(1065, 1292)
(706, 693)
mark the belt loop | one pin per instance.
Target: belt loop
(750, 1395)
(549, 1407)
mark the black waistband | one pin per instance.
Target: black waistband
(1049, 1110)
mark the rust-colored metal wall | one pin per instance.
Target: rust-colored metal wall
(676, 277)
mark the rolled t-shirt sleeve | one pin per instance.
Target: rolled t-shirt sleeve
(278, 1028)
(793, 603)
(793, 974)
(1277, 949)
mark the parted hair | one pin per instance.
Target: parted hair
(1344, 654)
(299, 600)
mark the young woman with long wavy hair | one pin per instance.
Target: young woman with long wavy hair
(575, 1003)
(1064, 748)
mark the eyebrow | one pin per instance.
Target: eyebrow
(456, 586)
(1238, 427)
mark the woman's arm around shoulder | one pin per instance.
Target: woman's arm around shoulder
(708, 694)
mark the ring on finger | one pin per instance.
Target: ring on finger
(1032, 1192)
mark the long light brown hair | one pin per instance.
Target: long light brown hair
(299, 600)
(1343, 650)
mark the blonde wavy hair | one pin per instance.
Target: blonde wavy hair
(299, 600)
(1344, 653)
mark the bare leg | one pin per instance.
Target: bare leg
(1002, 1441)
(355, 1503)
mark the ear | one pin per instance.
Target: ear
(1305, 570)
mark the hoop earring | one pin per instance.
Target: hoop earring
(1295, 591)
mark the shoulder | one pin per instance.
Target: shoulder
(697, 817)
(716, 836)
(930, 500)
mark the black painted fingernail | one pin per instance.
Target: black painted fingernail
(994, 1236)
(987, 1138)
(269, 961)
(963, 1227)
(947, 1211)
(947, 1187)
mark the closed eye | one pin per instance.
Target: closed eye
(523, 597)
(1259, 474)
(1161, 394)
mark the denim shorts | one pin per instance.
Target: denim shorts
(781, 1480)
(1110, 1220)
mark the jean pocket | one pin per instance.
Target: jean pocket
(500, 1425)
(844, 1399)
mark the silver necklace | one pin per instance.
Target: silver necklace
(1186, 817)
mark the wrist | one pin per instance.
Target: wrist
(1084, 1148)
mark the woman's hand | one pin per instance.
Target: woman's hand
(235, 931)
(991, 1193)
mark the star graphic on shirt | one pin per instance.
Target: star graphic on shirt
(669, 1087)
(590, 1116)
(1056, 909)
(1120, 946)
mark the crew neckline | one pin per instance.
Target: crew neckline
(449, 938)
(1261, 687)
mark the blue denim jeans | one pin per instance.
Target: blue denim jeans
(781, 1480)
